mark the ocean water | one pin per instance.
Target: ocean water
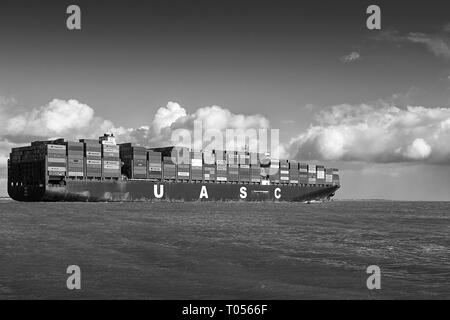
(225, 250)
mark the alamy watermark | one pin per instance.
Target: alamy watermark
(261, 141)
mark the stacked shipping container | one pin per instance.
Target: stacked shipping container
(134, 160)
(221, 166)
(303, 173)
(274, 171)
(336, 177)
(233, 166)
(92, 159)
(328, 176)
(154, 165)
(255, 168)
(284, 171)
(169, 169)
(244, 167)
(312, 174)
(111, 163)
(293, 172)
(209, 166)
(196, 166)
(139, 163)
(56, 160)
(75, 159)
(320, 174)
(183, 172)
(93, 154)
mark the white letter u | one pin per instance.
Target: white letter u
(161, 191)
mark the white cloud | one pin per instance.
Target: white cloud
(166, 116)
(438, 44)
(69, 118)
(418, 150)
(351, 57)
(3, 187)
(174, 117)
(73, 119)
(383, 133)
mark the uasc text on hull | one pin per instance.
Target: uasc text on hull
(138, 190)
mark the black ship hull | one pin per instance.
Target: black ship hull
(145, 190)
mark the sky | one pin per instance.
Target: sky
(374, 103)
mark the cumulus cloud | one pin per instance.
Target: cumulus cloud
(69, 118)
(351, 57)
(213, 119)
(382, 133)
(418, 150)
(166, 116)
(73, 119)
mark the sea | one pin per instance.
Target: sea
(226, 250)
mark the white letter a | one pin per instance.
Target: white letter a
(374, 281)
(374, 21)
(74, 280)
(203, 193)
(74, 20)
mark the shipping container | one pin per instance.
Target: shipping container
(232, 158)
(209, 158)
(303, 178)
(221, 171)
(75, 149)
(154, 165)
(196, 173)
(244, 173)
(209, 172)
(90, 141)
(244, 159)
(255, 173)
(284, 172)
(196, 155)
(169, 171)
(320, 172)
(303, 167)
(274, 171)
(75, 166)
(312, 178)
(233, 172)
(336, 179)
(183, 172)
(219, 155)
(254, 159)
(56, 160)
(179, 155)
(293, 172)
(109, 151)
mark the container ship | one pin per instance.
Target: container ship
(102, 170)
